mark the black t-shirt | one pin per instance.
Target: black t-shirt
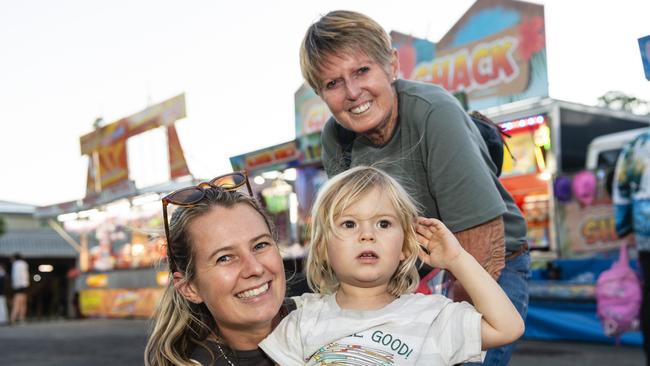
(254, 357)
(239, 358)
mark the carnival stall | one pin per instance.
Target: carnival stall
(549, 179)
(544, 170)
(116, 228)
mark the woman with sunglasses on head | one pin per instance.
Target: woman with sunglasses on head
(227, 279)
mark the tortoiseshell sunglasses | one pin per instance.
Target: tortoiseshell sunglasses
(190, 196)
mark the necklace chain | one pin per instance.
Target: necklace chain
(224, 355)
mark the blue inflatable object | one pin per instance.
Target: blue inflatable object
(566, 321)
(564, 309)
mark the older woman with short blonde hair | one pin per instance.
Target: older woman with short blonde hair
(420, 134)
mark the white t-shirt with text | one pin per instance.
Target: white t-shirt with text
(412, 330)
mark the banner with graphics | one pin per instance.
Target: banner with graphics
(276, 157)
(161, 114)
(495, 53)
(106, 146)
(119, 303)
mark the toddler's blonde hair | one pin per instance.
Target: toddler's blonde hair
(339, 193)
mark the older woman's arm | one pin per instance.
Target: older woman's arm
(486, 243)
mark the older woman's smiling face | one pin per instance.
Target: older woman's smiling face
(239, 270)
(359, 92)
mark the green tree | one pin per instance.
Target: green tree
(624, 102)
(2, 226)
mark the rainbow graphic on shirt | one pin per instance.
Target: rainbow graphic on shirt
(346, 354)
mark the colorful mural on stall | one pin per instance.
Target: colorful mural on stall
(585, 214)
(495, 53)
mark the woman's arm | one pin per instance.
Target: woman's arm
(501, 323)
(486, 243)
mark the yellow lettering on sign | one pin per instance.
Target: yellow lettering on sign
(598, 230)
(482, 66)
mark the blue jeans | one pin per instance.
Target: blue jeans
(514, 282)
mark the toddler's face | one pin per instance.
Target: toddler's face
(366, 247)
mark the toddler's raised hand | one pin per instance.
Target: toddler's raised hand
(442, 245)
(501, 323)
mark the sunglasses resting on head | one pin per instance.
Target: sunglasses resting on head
(190, 196)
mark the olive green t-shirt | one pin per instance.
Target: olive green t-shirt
(438, 155)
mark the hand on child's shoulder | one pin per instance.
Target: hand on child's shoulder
(442, 245)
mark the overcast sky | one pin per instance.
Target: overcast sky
(64, 63)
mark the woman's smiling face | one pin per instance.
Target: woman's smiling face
(359, 91)
(239, 270)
